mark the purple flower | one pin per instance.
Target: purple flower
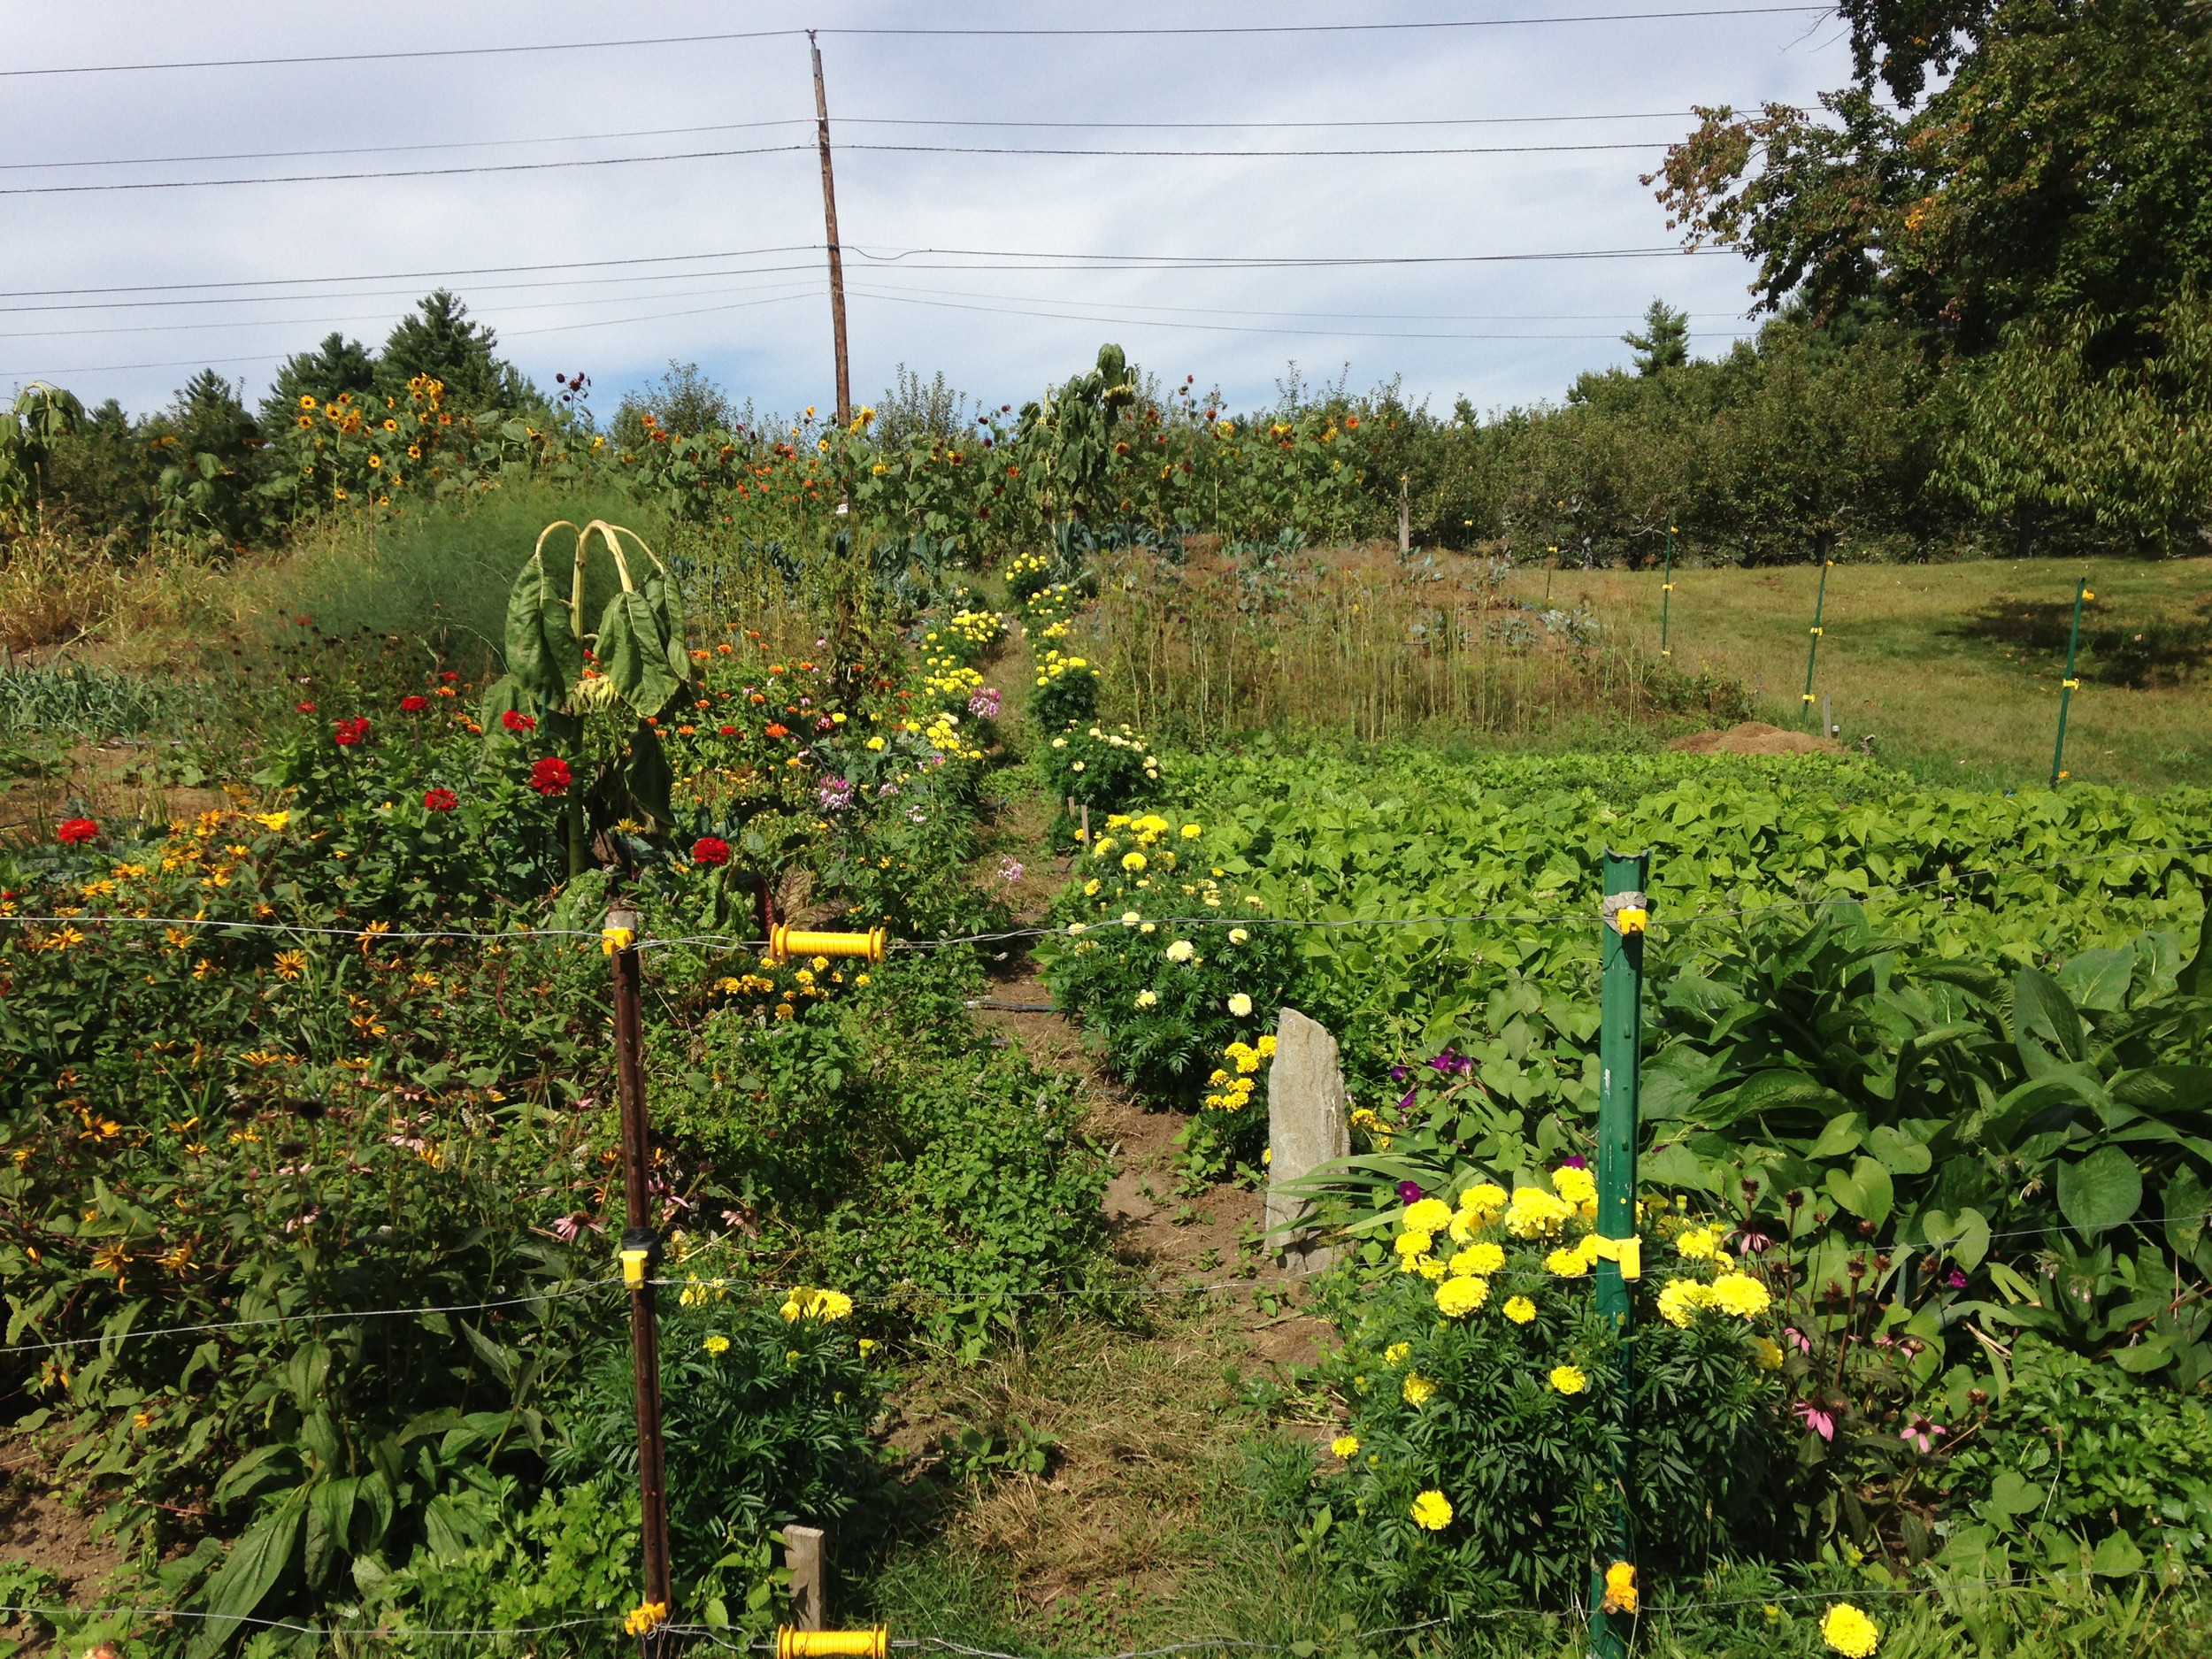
(1447, 1062)
(1397, 1074)
(1577, 1162)
(1921, 1434)
(1817, 1417)
(1408, 1191)
(984, 704)
(1955, 1280)
(1008, 870)
(1405, 1100)
(836, 793)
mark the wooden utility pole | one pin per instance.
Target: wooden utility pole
(836, 253)
(641, 1252)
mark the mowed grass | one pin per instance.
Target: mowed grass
(1954, 669)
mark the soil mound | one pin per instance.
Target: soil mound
(1753, 737)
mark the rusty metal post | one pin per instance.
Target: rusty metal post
(640, 1254)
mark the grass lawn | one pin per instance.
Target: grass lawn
(1954, 669)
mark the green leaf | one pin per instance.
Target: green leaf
(667, 601)
(2100, 1191)
(2098, 978)
(254, 1469)
(2117, 1553)
(649, 778)
(2165, 1091)
(2013, 1494)
(1897, 1154)
(543, 653)
(635, 655)
(329, 1520)
(1844, 1133)
(255, 1564)
(1866, 1191)
(2145, 1356)
(2199, 977)
(1674, 1165)
(2040, 1008)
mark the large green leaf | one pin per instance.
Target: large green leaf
(635, 655)
(2165, 1090)
(667, 601)
(2098, 978)
(2100, 1191)
(543, 652)
(329, 1520)
(648, 776)
(255, 1564)
(2040, 1008)
(2198, 976)
(1867, 1191)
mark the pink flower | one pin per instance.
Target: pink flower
(1804, 1343)
(1920, 1433)
(1817, 1417)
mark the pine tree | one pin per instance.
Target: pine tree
(1665, 342)
(339, 364)
(438, 340)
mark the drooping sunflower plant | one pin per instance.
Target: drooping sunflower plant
(589, 700)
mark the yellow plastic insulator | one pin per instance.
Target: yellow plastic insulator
(2086, 594)
(785, 942)
(1810, 698)
(1666, 653)
(1817, 631)
(833, 1644)
(614, 938)
(1666, 588)
(1628, 1252)
(633, 1265)
(2072, 685)
(1631, 921)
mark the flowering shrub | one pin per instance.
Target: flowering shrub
(1484, 1399)
(1099, 767)
(1152, 958)
(1066, 692)
(1026, 574)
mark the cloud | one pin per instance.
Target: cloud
(1500, 332)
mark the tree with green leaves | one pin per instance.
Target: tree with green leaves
(1665, 342)
(439, 339)
(338, 366)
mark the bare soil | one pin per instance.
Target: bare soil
(1753, 737)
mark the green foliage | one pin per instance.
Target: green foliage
(1094, 766)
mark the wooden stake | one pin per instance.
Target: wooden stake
(803, 1554)
(1405, 519)
(836, 253)
(1085, 837)
(641, 1254)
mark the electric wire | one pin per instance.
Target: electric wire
(114, 185)
(1002, 33)
(842, 120)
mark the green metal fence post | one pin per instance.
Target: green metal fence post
(2066, 686)
(1666, 593)
(1620, 1038)
(1812, 648)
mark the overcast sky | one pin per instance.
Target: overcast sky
(717, 258)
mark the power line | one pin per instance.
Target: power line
(842, 120)
(1164, 31)
(1217, 328)
(111, 185)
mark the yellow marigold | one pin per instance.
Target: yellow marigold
(1568, 1379)
(1485, 1198)
(1428, 1267)
(1412, 1242)
(1345, 1446)
(1620, 1589)
(1456, 1298)
(1479, 1258)
(1849, 1632)
(1267, 1047)
(1700, 1244)
(1520, 1310)
(1396, 1352)
(1569, 1264)
(1428, 1215)
(1577, 1185)
(716, 1345)
(1132, 862)
(1767, 1355)
(1533, 1211)
(1433, 1511)
(1680, 1299)
(1741, 1295)
(1417, 1389)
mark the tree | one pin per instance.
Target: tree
(439, 340)
(684, 401)
(1665, 342)
(337, 365)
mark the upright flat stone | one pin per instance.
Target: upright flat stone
(1308, 1123)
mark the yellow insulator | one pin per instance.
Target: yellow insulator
(833, 1644)
(784, 942)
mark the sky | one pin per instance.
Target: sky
(1003, 270)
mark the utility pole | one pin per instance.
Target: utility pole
(641, 1253)
(1627, 914)
(836, 253)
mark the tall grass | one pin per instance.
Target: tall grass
(1359, 643)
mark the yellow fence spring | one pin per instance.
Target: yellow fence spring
(833, 1644)
(784, 942)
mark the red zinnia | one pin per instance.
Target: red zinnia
(414, 706)
(729, 731)
(710, 849)
(550, 776)
(515, 722)
(76, 831)
(304, 708)
(441, 799)
(346, 733)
